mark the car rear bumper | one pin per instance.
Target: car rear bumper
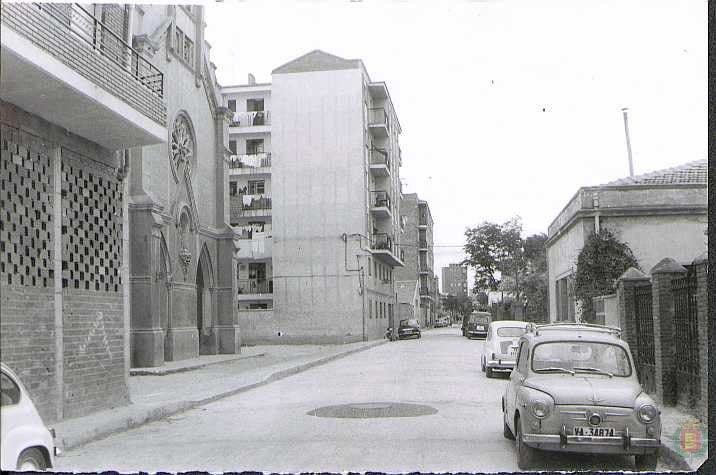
(500, 365)
(476, 333)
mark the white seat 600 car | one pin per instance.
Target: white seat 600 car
(500, 349)
(25, 442)
(575, 389)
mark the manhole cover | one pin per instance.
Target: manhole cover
(374, 409)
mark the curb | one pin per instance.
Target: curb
(155, 413)
(163, 371)
(673, 459)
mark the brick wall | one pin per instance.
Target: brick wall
(93, 351)
(26, 273)
(61, 42)
(59, 191)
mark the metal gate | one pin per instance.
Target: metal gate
(686, 339)
(644, 351)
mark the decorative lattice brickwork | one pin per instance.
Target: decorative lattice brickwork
(26, 223)
(91, 225)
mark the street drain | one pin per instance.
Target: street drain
(373, 409)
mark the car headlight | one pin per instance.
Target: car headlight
(647, 413)
(540, 409)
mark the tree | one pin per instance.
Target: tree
(599, 264)
(457, 304)
(494, 250)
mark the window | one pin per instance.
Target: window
(232, 147)
(369, 268)
(188, 50)
(258, 306)
(370, 308)
(254, 105)
(232, 105)
(232, 188)
(522, 358)
(256, 187)
(178, 41)
(9, 391)
(254, 146)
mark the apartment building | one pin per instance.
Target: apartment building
(65, 126)
(455, 280)
(417, 244)
(315, 191)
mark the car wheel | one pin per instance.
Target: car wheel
(646, 462)
(525, 453)
(488, 372)
(31, 460)
(506, 430)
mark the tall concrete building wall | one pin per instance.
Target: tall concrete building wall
(455, 280)
(334, 211)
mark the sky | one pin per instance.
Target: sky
(507, 107)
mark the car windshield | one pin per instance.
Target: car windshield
(408, 323)
(581, 356)
(510, 331)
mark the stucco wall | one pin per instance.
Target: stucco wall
(317, 125)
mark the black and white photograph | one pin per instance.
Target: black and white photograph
(365, 236)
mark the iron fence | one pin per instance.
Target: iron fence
(644, 352)
(255, 286)
(686, 338)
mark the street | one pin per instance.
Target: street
(268, 428)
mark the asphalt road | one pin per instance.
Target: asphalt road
(269, 428)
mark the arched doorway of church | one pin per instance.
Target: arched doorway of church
(203, 306)
(163, 291)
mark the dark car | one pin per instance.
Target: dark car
(476, 325)
(409, 328)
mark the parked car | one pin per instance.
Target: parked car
(500, 350)
(441, 322)
(408, 328)
(475, 325)
(575, 389)
(25, 442)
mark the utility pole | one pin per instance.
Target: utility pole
(625, 110)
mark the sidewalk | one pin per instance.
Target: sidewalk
(673, 423)
(156, 394)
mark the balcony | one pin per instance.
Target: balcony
(426, 292)
(256, 248)
(61, 63)
(250, 164)
(245, 205)
(378, 122)
(383, 248)
(422, 245)
(380, 204)
(255, 289)
(250, 122)
(379, 162)
(422, 220)
(426, 268)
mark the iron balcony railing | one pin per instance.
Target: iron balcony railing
(255, 286)
(378, 116)
(382, 241)
(422, 219)
(425, 267)
(380, 199)
(251, 160)
(250, 119)
(253, 202)
(379, 156)
(106, 42)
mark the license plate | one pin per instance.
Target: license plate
(595, 431)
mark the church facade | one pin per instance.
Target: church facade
(182, 252)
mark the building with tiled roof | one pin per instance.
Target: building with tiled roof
(658, 214)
